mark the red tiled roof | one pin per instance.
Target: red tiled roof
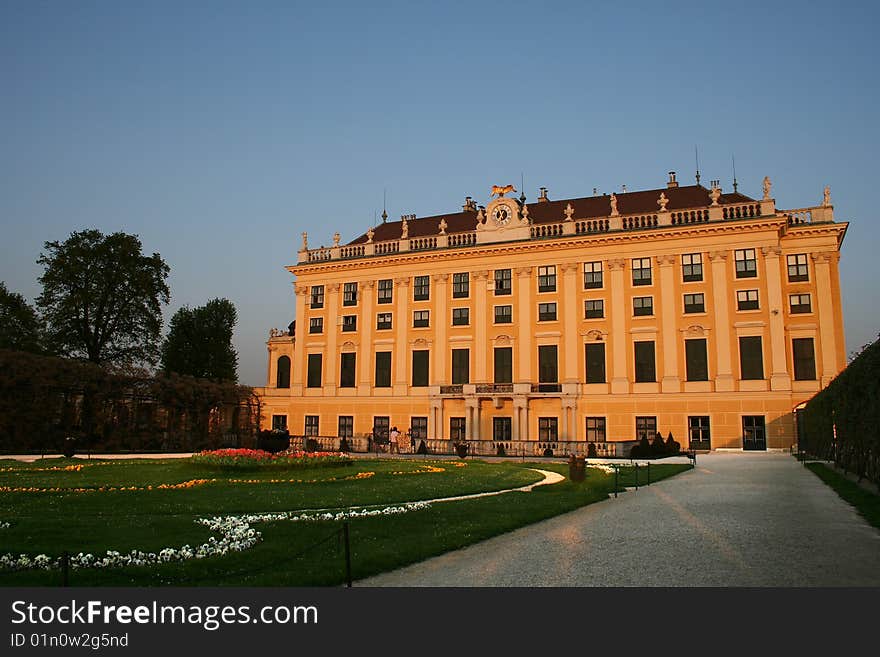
(644, 202)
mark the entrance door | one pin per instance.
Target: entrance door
(381, 424)
(501, 428)
(754, 433)
(457, 429)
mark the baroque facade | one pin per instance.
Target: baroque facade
(680, 310)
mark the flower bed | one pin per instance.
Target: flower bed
(236, 535)
(250, 459)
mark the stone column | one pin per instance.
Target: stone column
(670, 381)
(517, 410)
(780, 379)
(524, 325)
(479, 321)
(439, 322)
(620, 341)
(721, 295)
(365, 353)
(570, 315)
(401, 293)
(297, 375)
(825, 313)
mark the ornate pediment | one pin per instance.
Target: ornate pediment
(503, 219)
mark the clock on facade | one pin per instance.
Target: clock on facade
(502, 214)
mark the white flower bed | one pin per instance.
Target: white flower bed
(236, 535)
(603, 467)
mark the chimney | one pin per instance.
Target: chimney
(672, 182)
(470, 205)
(542, 198)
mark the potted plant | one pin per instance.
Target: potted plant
(461, 449)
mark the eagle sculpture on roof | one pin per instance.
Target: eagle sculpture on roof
(501, 191)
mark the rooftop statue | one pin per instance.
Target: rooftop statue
(501, 191)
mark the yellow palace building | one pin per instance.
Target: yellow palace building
(682, 310)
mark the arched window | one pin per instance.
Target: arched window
(283, 377)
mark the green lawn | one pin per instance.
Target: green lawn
(78, 516)
(865, 502)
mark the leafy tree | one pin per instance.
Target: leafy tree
(199, 342)
(20, 327)
(102, 298)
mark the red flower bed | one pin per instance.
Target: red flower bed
(257, 458)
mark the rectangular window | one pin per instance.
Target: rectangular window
(751, 359)
(694, 303)
(746, 299)
(804, 358)
(503, 284)
(383, 369)
(420, 367)
(279, 423)
(546, 312)
(349, 294)
(420, 318)
(421, 288)
(349, 323)
(418, 428)
(386, 291)
(641, 271)
(746, 264)
(503, 314)
(698, 432)
(383, 321)
(312, 425)
(313, 379)
(461, 359)
(457, 429)
(797, 268)
(503, 364)
(347, 370)
(696, 360)
(799, 303)
(461, 316)
(317, 297)
(643, 306)
(645, 369)
(692, 267)
(548, 429)
(461, 287)
(547, 278)
(595, 362)
(646, 427)
(594, 309)
(548, 364)
(596, 429)
(592, 275)
(345, 426)
(316, 325)
(501, 428)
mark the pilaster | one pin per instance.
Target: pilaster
(721, 302)
(620, 342)
(401, 294)
(822, 267)
(780, 379)
(670, 382)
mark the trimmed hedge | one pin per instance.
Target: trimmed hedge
(842, 422)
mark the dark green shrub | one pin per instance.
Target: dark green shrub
(672, 445)
(499, 451)
(69, 447)
(273, 440)
(591, 450)
(658, 447)
(311, 445)
(461, 449)
(423, 448)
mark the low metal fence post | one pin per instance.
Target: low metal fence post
(649, 475)
(616, 477)
(637, 476)
(347, 554)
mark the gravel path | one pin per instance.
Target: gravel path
(744, 519)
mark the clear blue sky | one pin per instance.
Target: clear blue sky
(218, 132)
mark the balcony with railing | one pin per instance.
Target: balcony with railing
(570, 227)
